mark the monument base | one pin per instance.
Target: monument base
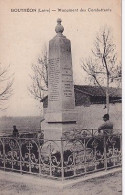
(54, 127)
(55, 131)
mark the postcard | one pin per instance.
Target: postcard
(60, 97)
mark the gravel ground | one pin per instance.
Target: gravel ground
(107, 185)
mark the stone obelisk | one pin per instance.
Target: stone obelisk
(60, 115)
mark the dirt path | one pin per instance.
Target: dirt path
(108, 185)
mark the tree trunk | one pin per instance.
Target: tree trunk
(107, 94)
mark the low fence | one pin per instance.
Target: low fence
(74, 155)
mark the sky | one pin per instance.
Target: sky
(24, 34)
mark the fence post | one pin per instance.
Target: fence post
(92, 132)
(39, 156)
(20, 153)
(50, 161)
(74, 167)
(85, 154)
(29, 156)
(62, 160)
(120, 144)
(4, 152)
(105, 157)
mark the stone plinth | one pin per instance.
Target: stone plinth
(61, 114)
(54, 131)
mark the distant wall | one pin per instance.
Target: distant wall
(91, 117)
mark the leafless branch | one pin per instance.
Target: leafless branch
(6, 82)
(103, 67)
(39, 77)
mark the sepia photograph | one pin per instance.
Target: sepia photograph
(61, 97)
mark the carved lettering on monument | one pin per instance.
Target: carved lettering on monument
(54, 72)
(67, 81)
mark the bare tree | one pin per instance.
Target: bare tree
(103, 67)
(39, 77)
(6, 82)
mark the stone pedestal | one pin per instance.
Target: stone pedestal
(55, 131)
(61, 115)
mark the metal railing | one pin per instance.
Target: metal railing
(69, 157)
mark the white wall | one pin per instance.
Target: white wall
(91, 117)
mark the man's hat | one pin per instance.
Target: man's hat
(106, 116)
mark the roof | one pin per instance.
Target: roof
(97, 91)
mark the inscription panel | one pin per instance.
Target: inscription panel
(67, 74)
(67, 82)
(54, 77)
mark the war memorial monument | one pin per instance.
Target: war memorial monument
(61, 115)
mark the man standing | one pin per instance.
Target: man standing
(15, 131)
(107, 126)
